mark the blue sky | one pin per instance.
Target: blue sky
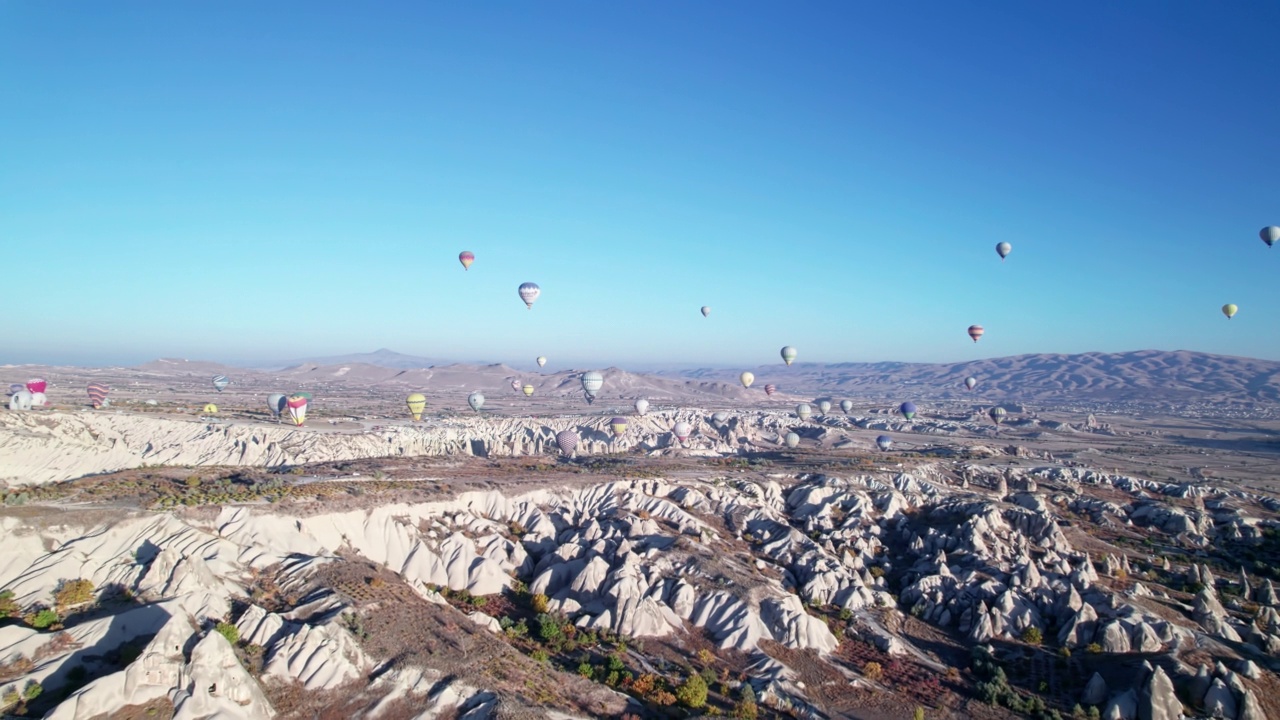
(248, 182)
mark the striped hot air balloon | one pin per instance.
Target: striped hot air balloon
(567, 441)
(788, 354)
(417, 402)
(1270, 235)
(297, 405)
(804, 412)
(220, 382)
(770, 389)
(975, 332)
(592, 381)
(792, 439)
(466, 257)
(97, 393)
(618, 425)
(997, 414)
(824, 406)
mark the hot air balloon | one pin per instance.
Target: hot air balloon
(705, 311)
(275, 403)
(618, 425)
(210, 409)
(592, 381)
(719, 418)
(970, 382)
(1003, 249)
(542, 361)
(16, 388)
(466, 257)
(975, 332)
(682, 430)
(746, 379)
(788, 354)
(846, 406)
(884, 442)
(515, 385)
(792, 439)
(476, 400)
(567, 441)
(770, 389)
(997, 414)
(527, 390)
(220, 382)
(803, 411)
(297, 405)
(529, 292)
(1270, 235)
(1229, 310)
(824, 406)
(908, 410)
(642, 406)
(97, 393)
(417, 402)
(36, 385)
(20, 400)
(38, 400)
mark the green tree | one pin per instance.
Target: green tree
(32, 690)
(228, 631)
(549, 629)
(44, 619)
(1032, 636)
(693, 692)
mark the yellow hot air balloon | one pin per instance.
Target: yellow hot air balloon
(747, 378)
(210, 409)
(1229, 310)
(417, 402)
(527, 390)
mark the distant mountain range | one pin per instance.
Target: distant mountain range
(381, 358)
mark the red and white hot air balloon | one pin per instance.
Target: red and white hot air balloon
(975, 332)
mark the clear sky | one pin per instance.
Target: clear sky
(247, 181)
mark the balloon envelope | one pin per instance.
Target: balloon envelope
(846, 406)
(20, 400)
(705, 311)
(824, 406)
(97, 393)
(592, 381)
(529, 292)
(1003, 249)
(719, 417)
(908, 410)
(515, 385)
(746, 379)
(567, 441)
(1270, 235)
(16, 388)
(682, 430)
(275, 403)
(210, 409)
(997, 414)
(642, 406)
(788, 354)
(466, 257)
(38, 400)
(297, 405)
(618, 425)
(476, 400)
(975, 332)
(792, 440)
(970, 382)
(542, 360)
(803, 411)
(527, 390)
(220, 382)
(1230, 310)
(417, 402)
(884, 442)
(770, 389)
(35, 385)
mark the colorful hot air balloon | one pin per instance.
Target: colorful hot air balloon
(803, 411)
(297, 405)
(417, 402)
(305, 396)
(276, 404)
(884, 442)
(824, 406)
(997, 414)
(476, 400)
(1003, 249)
(97, 393)
(542, 361)
(642, 406)
(788, 354)
(515, 385)
(1270, 235)
(719, 418)
(1230, 310)
(975, 332)
(770, 389)
(220, 382)
(846, 406)
(36, 385)
(529, 292)
(792, 440)
(970, 382)
(527, 390)
(682, 430)
(705, 311)
(618, 425)
(592, 381)
(466, 257)
(908, 410)
(746, 379)
(20, 400)
(210, 409)
(567, 441)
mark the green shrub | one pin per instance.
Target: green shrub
(693, 692)
(32, 690)
(1032, 636)
(586, 670)
(228, 631)
(549, 628)
(539, 603)
(539, 655)
(43, 619)
(73, 592)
